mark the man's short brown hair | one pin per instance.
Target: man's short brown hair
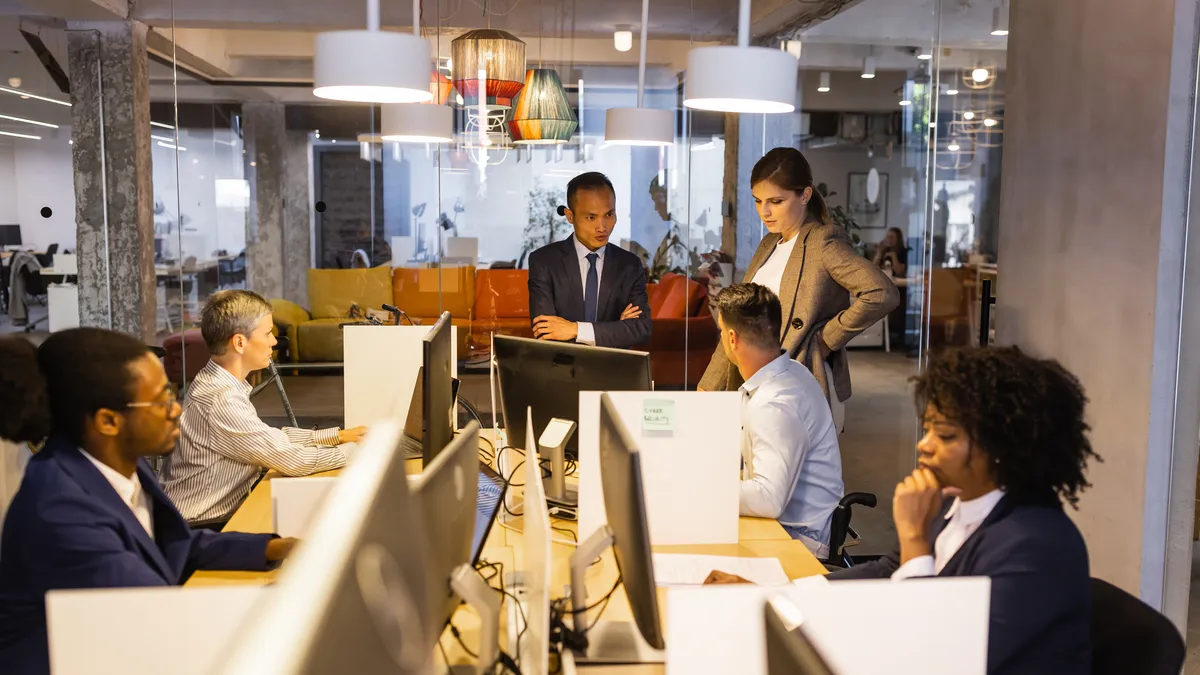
(229, 313)
(754, 312)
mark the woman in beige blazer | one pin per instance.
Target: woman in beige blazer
(829, 293)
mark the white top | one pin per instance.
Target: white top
(771, 272)
(965, 518)
(792, 466)
(587, 334)
(129, 489)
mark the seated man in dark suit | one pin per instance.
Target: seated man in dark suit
(1005, 444)
(89, 512)
(584, 289)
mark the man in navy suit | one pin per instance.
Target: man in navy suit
(584, 289)
(89, 513)
(1005, 444)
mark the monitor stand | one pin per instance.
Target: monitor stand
(609, 642)
(553, 445)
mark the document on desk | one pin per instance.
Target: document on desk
(675, 569)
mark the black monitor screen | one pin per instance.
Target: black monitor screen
(491, 496)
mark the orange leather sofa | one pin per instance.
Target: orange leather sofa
(501, 307)
(685, 332)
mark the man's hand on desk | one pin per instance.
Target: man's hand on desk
(717, 577)
(278, 549)
(555, 328)
(631, 312)
(351, 435)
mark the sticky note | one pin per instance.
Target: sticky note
(658, 415)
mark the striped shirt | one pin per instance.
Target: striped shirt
(223, 447)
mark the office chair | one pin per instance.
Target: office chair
(839, 529)
(1128, 636)
(52, 249)
(36, 289)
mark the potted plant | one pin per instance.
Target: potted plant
(843, 220)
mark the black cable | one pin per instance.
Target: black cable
(461, 643)
(445, 659)
(589, 608)
(566, 531)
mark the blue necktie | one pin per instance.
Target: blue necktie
(591, 290)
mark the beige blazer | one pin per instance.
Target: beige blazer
(827, 290)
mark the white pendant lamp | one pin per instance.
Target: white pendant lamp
(741, 79)
(373, 66)
(417, 123)
(640, 126)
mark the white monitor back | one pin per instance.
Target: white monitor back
(535, 646)
(145, 631)
(66, 263)
(463, 248)
(380, 366)
(402, 250)
(699, 455)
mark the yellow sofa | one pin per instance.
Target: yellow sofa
(315, 333)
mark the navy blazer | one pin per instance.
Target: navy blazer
(68, 528)
(1041, 587)
(556, 289)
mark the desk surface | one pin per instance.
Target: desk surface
(758, 538)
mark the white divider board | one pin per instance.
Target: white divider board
(295, 503)
(381, 364)
(402, 250)
(145, 631)
(690, 474)
(860, 627)
(535, 647)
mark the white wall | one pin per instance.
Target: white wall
(42, 175)
(833, 166)
(8, 184)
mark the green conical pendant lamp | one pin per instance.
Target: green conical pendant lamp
(543, 115)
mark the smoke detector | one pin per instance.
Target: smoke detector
(14, 82)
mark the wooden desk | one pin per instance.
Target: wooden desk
(759, 538)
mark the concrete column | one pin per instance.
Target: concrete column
(114, 202)
(265, 140)
(1094, 251)
(297, 230)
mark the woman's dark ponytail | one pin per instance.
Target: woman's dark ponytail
(24, 404)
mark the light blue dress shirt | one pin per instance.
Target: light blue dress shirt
(792, 466)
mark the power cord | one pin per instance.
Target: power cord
(562, 635)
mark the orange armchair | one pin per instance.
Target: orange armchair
(685, 332)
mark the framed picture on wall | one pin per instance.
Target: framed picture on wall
(867, 202)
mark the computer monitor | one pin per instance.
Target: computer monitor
(437, 394)
(629, 534)
(548, 376)
(447, 492)
(489, 498)
(10, 235)
(789, 652)
(414, 421)
(352, 597)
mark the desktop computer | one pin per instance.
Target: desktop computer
(629, 536)
(789, 651)
(352, 598)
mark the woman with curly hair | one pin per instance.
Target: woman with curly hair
(1005, 445)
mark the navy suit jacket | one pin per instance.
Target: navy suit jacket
(1041, 588)
(556, 289)
(68, 528)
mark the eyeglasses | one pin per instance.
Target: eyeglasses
(169, 403)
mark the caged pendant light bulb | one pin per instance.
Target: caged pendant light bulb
(640, 126)
(741, 79)
(373, 66)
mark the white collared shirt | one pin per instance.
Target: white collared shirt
(964, 518)
(587, 334)
(792, 466)
(771, 272)
(129, 489)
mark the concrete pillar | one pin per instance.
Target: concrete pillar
(297, 230)
(114, 200)
(1094, 250)
(265, 140)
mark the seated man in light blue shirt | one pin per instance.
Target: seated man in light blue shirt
(791, 463)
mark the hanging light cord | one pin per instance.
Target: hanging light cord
(642, 55)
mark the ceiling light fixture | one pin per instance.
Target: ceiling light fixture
(164, 139)
(623, 40)
(180, 148)
(741, 79)
(25, 94)
(417, 123)
(924, 54)
(792, 47)
(905, 102)
(543, 115)
(953, 147)
(952, 92)
(500, 55)
(823, 87)
(980, 74)
(161, 125)
(16, 135)
(868, 69)
(968, 115)
(989, 122)
(1000, 19)
(22, 119)
(640, 126)
(373, 66)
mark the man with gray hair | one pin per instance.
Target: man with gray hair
(223, 445)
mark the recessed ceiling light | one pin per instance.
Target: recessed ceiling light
(952, 92)
(906, 102)
(925, 55)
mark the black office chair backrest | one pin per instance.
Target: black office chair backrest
(1128, 636)
(52, 249)
(35, 283)
(839, 524)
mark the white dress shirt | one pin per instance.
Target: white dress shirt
(792, 466)
(587, 334)
(129, 489)
(771, 272)
(224, 446)
(965, 518)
